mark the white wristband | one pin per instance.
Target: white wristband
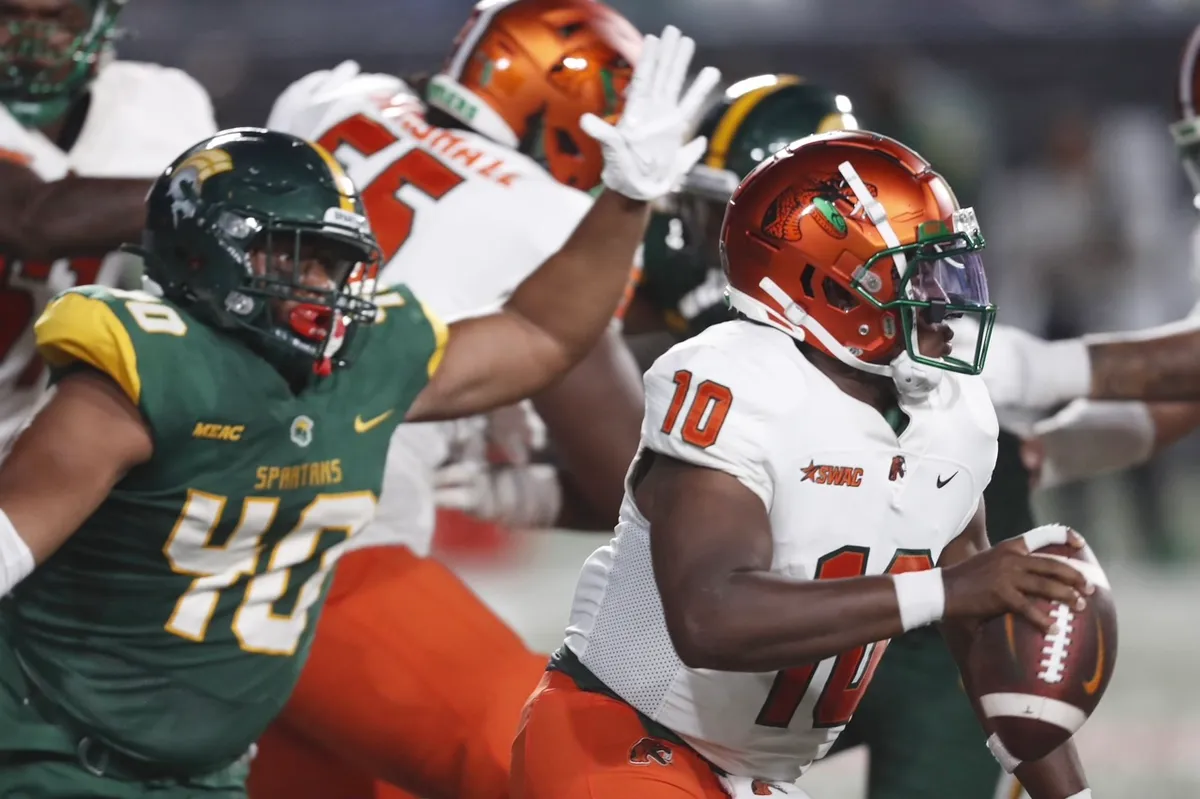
(16, 561)
(1002, 755)
(1086, 793)
(921, 597)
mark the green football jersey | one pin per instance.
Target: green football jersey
(174, 623)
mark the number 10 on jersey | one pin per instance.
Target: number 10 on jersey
(852, 670)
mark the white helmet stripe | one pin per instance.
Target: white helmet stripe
(487, 10)
(1187, 75)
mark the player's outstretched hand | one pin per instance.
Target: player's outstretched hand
(644, 153)
(1008, 579)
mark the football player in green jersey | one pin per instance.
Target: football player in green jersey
(924, 739)
(212, 445)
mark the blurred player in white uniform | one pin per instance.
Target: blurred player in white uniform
(467, 198)
(802, 470)
(81, 138)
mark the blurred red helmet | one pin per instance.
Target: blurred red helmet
(523, 72)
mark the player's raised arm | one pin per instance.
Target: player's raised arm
(556, 315)
(1059, 774)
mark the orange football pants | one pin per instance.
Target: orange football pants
(412, 681)
(578, 745)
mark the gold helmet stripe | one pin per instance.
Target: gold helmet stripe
(731, 120)
(345, 186)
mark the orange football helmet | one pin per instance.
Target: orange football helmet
(523, 72)
(841, 239)
(1186, 131)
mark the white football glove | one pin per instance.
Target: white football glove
(644, 154)
(515, 432)
(518, 497)
(305, 107)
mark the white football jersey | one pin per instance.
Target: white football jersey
(846, 497)
(460, 219)
(142, 116)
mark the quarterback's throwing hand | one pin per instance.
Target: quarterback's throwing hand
(1008, 579)
(644, 153)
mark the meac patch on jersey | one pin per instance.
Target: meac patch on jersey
(846, 494)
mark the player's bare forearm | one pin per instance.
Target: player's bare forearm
(1057, 775)
(65, 464)
(759, 621)
(712, 547)
(68, 217)
(1172, 422)
(1163, 368)
(594, 417)
(547, 326)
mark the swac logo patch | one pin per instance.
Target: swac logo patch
(822, 474)
(651, 750)
(897, 468)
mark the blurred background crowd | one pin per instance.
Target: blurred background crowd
(1050, 116)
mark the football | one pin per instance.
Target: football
(1039, 688)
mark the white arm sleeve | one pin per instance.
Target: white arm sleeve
(1090, 438)
(711, 408)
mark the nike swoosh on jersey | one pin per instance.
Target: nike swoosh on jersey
(362, 427)
(941, 483)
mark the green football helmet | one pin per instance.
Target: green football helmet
(263, 234)
(45, 63)
(682, 275)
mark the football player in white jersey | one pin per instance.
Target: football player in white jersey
(467, 199)
(809, 485)
(81, 138)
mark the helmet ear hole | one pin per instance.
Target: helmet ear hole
(566, 144)
(806, 278)
(837, 296)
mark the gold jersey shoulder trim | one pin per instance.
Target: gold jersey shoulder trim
(76, 327)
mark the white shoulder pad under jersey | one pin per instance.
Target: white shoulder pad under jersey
(310, 105)
(141, 118)
(461, 219)
(712, 401)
